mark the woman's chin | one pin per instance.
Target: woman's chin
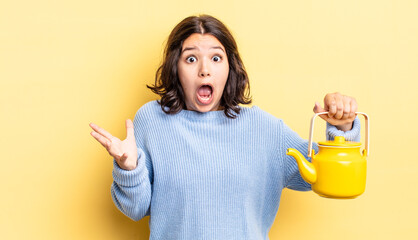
(204, 107)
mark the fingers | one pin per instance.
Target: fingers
(129, 129)
(333, 104)
(346, 109)
(339, 106)
(101, 131)
(108, 141)
(102, 140)
(317, 109)
(123, 157)
(353, 109)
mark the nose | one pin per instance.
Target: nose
(204, 70)
(204, 74)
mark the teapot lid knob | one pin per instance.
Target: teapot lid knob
(339, 139)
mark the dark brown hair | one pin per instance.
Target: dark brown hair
(167, 83)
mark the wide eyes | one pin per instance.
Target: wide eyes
(192, 59)
(216, 58)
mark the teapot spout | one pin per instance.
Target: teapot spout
(307, 169)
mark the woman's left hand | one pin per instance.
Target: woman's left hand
(341, 110)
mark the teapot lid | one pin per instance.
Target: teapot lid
(339, 141)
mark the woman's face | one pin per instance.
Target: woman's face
(203, 70)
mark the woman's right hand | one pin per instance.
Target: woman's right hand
(124, 152)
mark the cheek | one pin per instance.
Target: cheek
(226, 68)
(182, 76)
(186, 85)
(225, 73)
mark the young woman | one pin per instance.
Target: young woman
(198, 162)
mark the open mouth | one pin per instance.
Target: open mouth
(205, 94)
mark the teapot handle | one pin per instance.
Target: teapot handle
(366, 117)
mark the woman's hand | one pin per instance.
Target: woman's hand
(342, 110)
(124, 152)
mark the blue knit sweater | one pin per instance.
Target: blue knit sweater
(205, 176)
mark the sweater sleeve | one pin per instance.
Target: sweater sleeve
(352, 135)
(131, 190)
(293, 179)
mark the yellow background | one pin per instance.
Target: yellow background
(64, 64)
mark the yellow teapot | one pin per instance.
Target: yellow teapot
(338, 170)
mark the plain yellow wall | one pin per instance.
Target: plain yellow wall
(64, 64)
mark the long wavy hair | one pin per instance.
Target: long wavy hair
(167, 83)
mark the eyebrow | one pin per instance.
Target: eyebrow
(194, 48)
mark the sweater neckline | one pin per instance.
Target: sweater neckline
(202, 116)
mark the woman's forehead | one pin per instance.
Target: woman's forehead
(198, 41)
